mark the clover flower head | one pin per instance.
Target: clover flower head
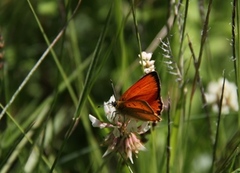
(146, 62)
(213, 95)
(123, 137)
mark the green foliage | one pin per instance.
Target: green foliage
(56, 62)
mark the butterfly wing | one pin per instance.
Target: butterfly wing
(138, 109)
(146, 89)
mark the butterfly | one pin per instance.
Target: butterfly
(142, 100)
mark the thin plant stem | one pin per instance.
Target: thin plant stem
(85, 90)
(61, 70)
(168, 137)
(164, 32)
(197, 63)
(183, 28)
(218, 125)
(49, 49)
(233, 42)
(25, 140)
(137, 32)
(197, 78)
(31, 73)
(204, 34)
(161, 35)
(234, 56)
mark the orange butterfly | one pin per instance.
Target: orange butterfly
(142, 100)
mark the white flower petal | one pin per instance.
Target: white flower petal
(229, 101)
(145, 56)
(144, 63)
(147, 70)
(144, 127)
(129, 155)
(109, 109)
(109, 150)
(211, 98)
(151, 63)
(97, 123)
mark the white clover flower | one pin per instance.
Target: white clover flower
(229, 102)
(125, 131)
(146, 62)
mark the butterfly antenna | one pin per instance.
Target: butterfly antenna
(114, 91)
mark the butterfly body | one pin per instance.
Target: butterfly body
(142, 100)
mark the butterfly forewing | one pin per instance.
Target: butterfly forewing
(146, 89)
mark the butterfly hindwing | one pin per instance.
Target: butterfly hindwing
(138, 109)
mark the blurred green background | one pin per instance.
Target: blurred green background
(45, 107)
